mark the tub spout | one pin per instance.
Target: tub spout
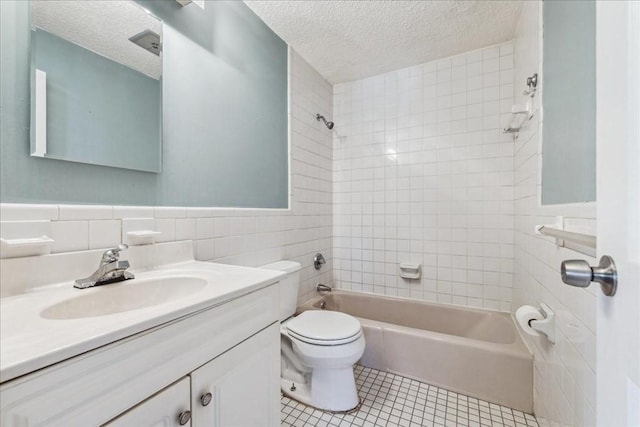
(323, 289)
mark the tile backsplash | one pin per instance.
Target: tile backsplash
(423, 174)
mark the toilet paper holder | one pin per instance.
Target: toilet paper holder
(546, 326)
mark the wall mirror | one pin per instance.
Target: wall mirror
(96, 70)
(569, 102)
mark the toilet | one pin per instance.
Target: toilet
(318, 349)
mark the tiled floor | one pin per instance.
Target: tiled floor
(392, 400)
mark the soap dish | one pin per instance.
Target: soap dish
(15, 248)
(410, 271)
(142, 237)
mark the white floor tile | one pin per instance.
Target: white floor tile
(390, 400)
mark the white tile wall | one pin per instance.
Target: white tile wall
(423, 174)
(83, 212)
(104, 233)
(564, 373)
(249, 237)
(70, 236)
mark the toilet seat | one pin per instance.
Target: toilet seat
(325, 328)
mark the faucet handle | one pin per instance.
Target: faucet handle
(318, 260)
(113, 254)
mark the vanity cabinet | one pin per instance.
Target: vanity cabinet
(234, 389)
(230, 350)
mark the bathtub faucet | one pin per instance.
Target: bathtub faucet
(323, 289)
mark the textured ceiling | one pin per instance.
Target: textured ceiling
(102, 26)
(348, 40)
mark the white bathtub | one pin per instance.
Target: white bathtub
(475, 352)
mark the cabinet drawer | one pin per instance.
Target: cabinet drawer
(165, 409)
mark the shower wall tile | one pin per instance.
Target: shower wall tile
(250, 237)
(422, 174)
(564, 373)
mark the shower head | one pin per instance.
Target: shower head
(329, 125)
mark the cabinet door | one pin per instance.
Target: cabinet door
(168, 408)
(240, 388)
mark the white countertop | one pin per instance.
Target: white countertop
(29, 342)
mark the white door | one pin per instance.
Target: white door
(240, 388)
(618, 195)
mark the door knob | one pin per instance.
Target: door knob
(577, 272)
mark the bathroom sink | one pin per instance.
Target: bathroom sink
(125, 296)
(53, 321)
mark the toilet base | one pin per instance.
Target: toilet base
(297, 391)
(302, 394)
(329, 390)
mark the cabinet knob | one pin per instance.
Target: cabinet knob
(184, 417)
(205, 399)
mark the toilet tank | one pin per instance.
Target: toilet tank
(289, 286)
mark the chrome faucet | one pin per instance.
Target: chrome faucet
(323, 289)
(110, 270)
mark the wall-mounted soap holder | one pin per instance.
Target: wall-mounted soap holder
(522, 114)
(33, 246)
(410, 271)
(142, 237)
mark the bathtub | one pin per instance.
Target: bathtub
(471, 351)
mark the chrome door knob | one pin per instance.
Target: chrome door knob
(576, 272)
(579, 273)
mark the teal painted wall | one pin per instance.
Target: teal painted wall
(224, 120)
(98, 111)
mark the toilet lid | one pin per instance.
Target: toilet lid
(324, 327)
